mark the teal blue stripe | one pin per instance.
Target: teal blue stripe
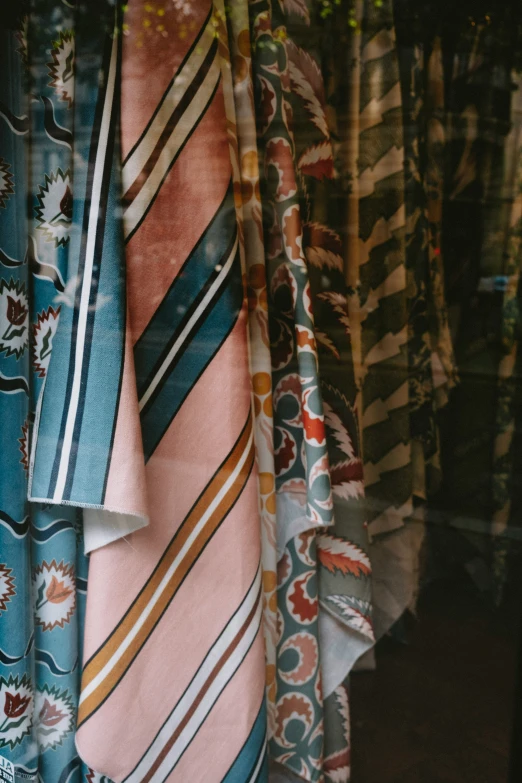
(263, 772)
(200, 348)
(99, 402)
(188, 282)
(103, 356)
(245, 764)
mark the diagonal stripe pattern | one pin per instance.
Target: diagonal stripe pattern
(174, 661)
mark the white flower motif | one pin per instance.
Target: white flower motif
(54, 594)
(44, 330)
(54, 210)
(6, 183)
(16, 710)
(7, 589)
(54, 716)
(61, 69)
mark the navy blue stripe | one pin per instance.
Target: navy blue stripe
(45, 658)
(12, 385)
(81, 585)
(189, 313)
(18, 529)
(19, 125)
(81, 266)
(42, 536)
(9, 660)
(198, 350)
(191, 277)
(93, 295)
(10, 263)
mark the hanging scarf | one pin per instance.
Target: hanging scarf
(190, 581)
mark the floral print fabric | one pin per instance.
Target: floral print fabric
(44, 576)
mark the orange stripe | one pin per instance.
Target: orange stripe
(105, 653)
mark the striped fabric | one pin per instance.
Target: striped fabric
(174, 657)
(87, 446)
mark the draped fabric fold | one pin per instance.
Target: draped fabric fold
(324, 570)
(87, 448)
(188, 325)
(245, 166)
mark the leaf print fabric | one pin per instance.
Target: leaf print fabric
(298, 181)
(383, 297)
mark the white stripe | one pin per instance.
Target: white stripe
(226, 638)
(89, 261)
(211, 696)
(134, 164)
(113, 661)
(188, 326)
(138, 208)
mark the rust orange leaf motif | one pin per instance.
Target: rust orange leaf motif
(348, 559)
(66, 204)
(15, 705)
(16, 311)
(50, 715)
(57, 592)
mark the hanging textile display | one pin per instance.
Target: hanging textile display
(234, 257)
(187, 321)
(16, 623)
(380, 304)
(324, 584)
(40, 687)
(382, 273)
(242, 134)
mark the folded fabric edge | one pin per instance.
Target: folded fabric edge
(341, 646)
(101, 525)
